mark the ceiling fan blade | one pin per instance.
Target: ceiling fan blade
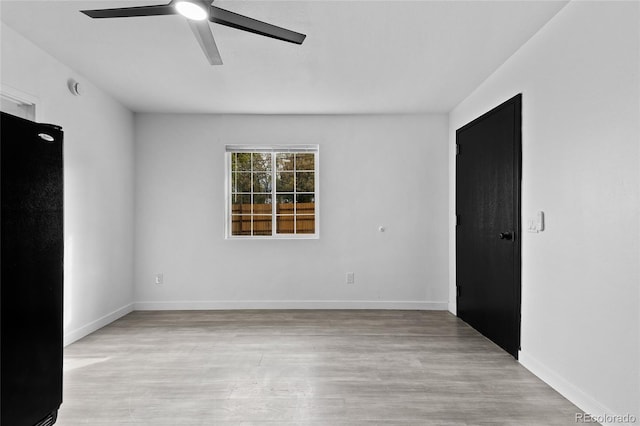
(203, 34)
(241, 22)
(126, 12)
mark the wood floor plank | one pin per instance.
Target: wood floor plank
(311, 367)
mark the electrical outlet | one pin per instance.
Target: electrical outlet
(350, 277)
(159, 278)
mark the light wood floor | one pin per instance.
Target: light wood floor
(300, 367)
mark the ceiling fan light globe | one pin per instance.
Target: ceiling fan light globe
(191, 10)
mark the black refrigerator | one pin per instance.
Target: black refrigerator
(31, 252)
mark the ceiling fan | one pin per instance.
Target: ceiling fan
(198, 13)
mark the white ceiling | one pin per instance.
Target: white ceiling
(359, 56)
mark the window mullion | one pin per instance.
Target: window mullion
(273, 195)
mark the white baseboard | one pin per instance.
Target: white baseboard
(79, 333)
(289, 304)
(578, 397)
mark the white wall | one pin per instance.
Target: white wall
(98, 163)
(374, 170)
(580, 280)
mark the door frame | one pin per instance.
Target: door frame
(20, 99)
(517, 207)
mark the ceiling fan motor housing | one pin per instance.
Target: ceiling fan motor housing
(196, 10)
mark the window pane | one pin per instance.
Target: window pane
(241, 225)
(284, 198)
(284, 224)
(305, 182)
(284, 162)
(261, 161)
(262, 225)
(243, 161)
(262, 182)
(284, 204)
(284, 182)
(305, 162)
(305, 198)
(306, 224)
(305, 204)
(240, 204)
(262, 204)
(241, 182)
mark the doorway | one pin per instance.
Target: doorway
(488, 235)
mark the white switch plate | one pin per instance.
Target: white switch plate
(159, 279)
(536, 225)
(350, 277)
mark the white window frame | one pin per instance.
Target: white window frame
(273, 149)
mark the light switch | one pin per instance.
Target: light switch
(537, 224)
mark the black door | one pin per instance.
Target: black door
(488, 224)
(31, 251)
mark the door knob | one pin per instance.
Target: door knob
(505, 236)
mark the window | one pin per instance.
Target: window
(272, 192)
